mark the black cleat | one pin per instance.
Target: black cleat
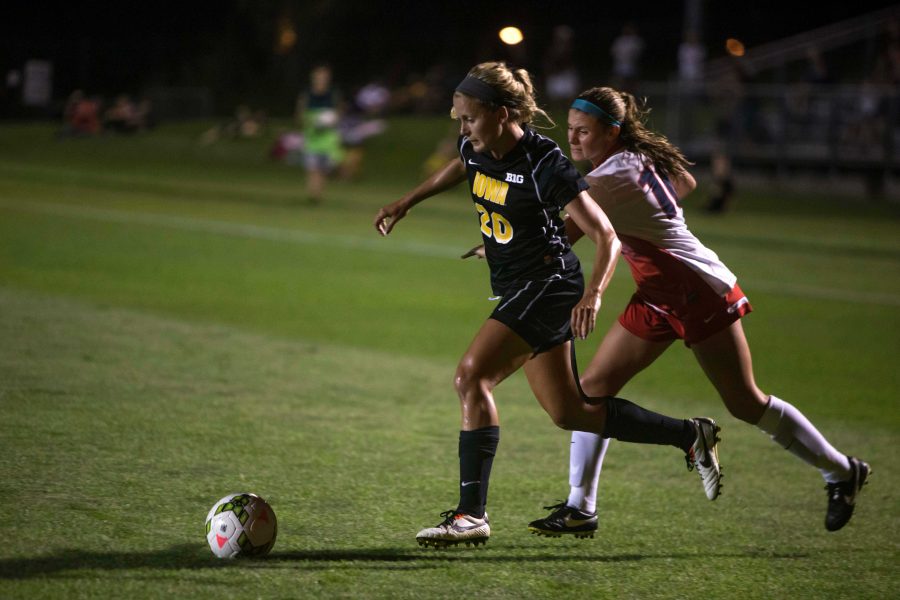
(565, 520)
(842, 495)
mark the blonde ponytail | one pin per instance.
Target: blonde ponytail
(514, 90)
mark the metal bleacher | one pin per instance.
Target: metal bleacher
(791, 124)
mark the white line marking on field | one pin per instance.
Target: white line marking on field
(389, 246)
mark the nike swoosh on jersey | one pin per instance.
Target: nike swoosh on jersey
(473, 163)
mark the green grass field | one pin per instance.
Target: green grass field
(177, 323)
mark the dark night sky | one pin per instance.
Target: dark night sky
(228, 44)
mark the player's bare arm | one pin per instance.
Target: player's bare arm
(573, 231)
(445, 178)
(477, 251)
(591, 220)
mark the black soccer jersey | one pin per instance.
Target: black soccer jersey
(518, 199)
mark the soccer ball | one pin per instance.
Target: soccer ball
(241, 524)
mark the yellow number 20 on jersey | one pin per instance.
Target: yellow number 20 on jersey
(494, 225)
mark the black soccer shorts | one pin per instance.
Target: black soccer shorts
(540, 311)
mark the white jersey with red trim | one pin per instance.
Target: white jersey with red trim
(643, 208)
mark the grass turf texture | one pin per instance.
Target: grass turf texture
(176, 323)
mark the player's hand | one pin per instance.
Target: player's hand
(388, 216)
(476, 251)
(584, 315)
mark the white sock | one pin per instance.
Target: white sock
(791, 430)
(585, 462)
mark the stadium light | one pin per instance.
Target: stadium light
(286, 36)
(734, 47)
(511, 35)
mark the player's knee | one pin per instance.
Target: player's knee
(469, 379)
(747, 407)
(597, 385)
(564, 419)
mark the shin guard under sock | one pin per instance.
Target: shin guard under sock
(629, 422)
(586, 454)
(476, 457)
(791, 430)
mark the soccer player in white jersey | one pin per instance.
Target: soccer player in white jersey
(683, 292)
(519, 182)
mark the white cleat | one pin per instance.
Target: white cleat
(705, 456)
(456, 528)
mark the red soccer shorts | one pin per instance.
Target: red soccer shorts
(701, 314)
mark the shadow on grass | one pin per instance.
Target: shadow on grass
(192, 556)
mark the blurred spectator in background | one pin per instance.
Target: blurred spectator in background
(358, 123)
(374, 98)
(442, 153)
(318, 113)
(807, 106)
(246, 123)
(737, 112)
(722, 185)
(424, 93)
(288, 148)
(81, 116)
(122, 116)
(691, 58)
(863, 133)
(560, 73)
(626, 51)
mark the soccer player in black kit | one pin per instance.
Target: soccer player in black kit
(520, 181)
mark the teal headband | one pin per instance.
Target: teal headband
(594, 110)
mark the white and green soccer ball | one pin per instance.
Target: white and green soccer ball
(241, 524)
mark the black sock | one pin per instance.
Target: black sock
(476, 456)
(629, 422)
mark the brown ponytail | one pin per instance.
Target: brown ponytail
(634, 135)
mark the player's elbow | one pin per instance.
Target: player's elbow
(615, 246)
(684, 184)
(605, 236)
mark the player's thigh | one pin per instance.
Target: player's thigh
(494, 354)
(620, 356)
(553, 383)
